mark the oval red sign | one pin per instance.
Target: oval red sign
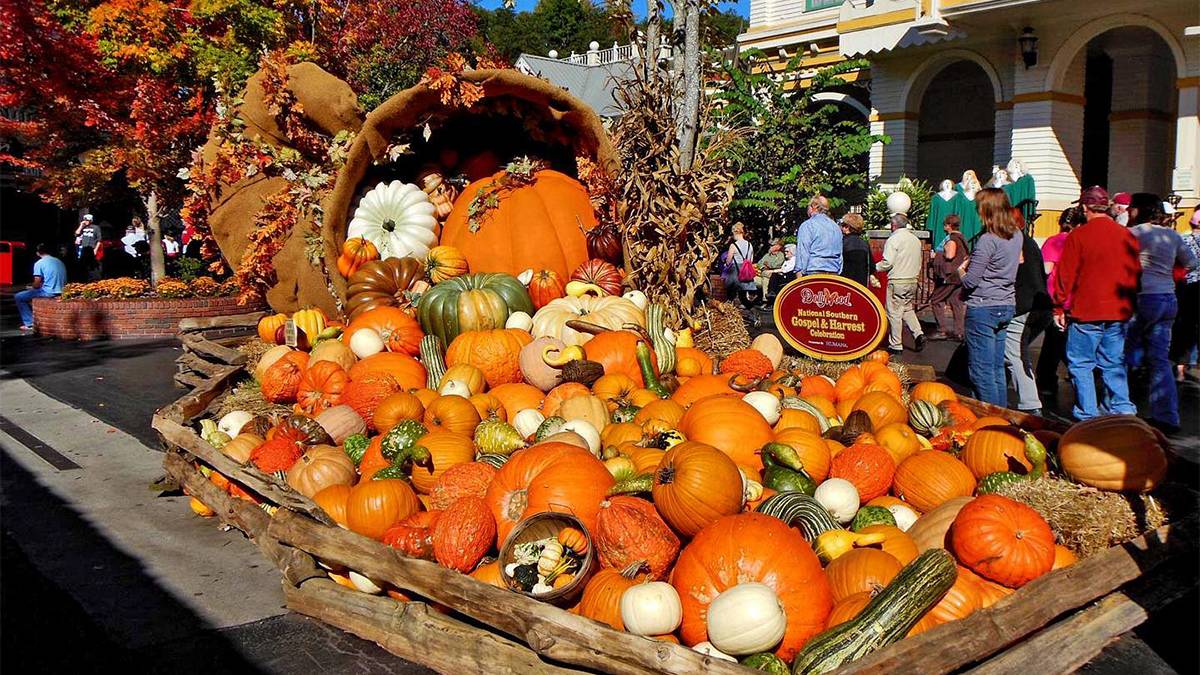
(829, 317)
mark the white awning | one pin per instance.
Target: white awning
(886, 38)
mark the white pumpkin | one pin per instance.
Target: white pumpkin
(638, 298)
(232, 422)
(652, 608)
(905, 516)
(364, 584)
(839, 497)
(609, 312)
(587, 431)
(398, 218)
(454, 388)
(527, 421)
(520, 321)
(707, 649)
(767, 405)
(746, 619)
(366, 342)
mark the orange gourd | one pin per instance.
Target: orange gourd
(882, 407)
(601, 599)
(933, 392)
(629, 530)
(693, 362)
(859, 570)
(812, 449)
(281, 382)
(869, 467)
(446, 449)
(730, 425)
(749, 364)
(555, 397)
(407, 371)
(817, 385)
(614, 389)
(452, 413)
(616, 351)
(694, 485)
(538, 224)
(962, 600)
(461, 480)
(375, 505)
(930, 478)
(518, 396)
(1002, 540)
(548, 477)
(996, 448)
(489, 407)
(445, 262)
(495, 352)
(899, 440)
(546, 285)
(703, 386)
(320, 388)
(332, 501)
(400, 332)
(396, 408)
(753, 547)
(465, 532)
(372, 459)
(896, 542)
(365, 395)
(490, 575)
(413, 536)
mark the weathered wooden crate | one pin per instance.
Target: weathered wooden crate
(1054, 624)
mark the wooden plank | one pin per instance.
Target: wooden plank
(919, 372)
(264, 485)
(189, 406)
(413, 631)
(1069, 644)
(953, 645)
(295, 565)
(1023, 420)
(550, 631)
(247, 320)
(189, 362)
(202, 345)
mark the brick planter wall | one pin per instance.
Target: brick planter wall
(126, 319)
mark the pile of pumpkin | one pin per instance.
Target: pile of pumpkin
(742, 509)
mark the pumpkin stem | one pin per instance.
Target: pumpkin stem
(635, 568)
(586, 327)
(389, 225)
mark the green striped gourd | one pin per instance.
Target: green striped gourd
(431, 358)
(797, 508)
(496, 461)
(926, 418)
(664, 349)
(886, 619)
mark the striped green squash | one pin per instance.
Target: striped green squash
(431, 358)
(926, 418)
(801, 510)
(886, 619)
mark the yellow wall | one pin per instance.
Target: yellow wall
(1047, 223)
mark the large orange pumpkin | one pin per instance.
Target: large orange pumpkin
(990, 592)
(452, 413)
(538, 224)
(930, 478)
(865, 377)
(630, 531)
(899, 439)
(375, 505)
(731, 425)
(1118, 452)
(400, 332)
(320, 388)
(861, 569)
(1002, 540)
(882, 407)
(702, 387)
(518, 396)
(616, 351)
(365, 395)
(869, 467)
(407, 371)
(996, 448)
(446, 449)
(694, 485)
(548, 477)
(812, 449)
(495, 352)
(753, 547)
(601, 599)
(933, 392)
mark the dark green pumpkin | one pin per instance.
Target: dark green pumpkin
(872, 515)
(440, 313)
(766, 662)
(994, 481)
(355, 447)
(400, 438)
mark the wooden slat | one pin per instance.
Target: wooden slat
(294, 564)
(1072, 642)
(190, 362)
(413, 631)
(188, 407)
(219, 352)
(247, 320)
(550, 631)
(953, 645)
(187, 439)
(1023, 420)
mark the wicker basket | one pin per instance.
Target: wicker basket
(543, 526)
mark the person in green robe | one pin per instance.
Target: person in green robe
(941, 205)
(1021, 191)
(965, 209)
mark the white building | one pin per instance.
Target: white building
(1106, 94)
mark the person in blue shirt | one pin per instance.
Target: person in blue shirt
(818, 241)
(49, 275)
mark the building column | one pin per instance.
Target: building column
(1047, 136)
(899, 158)
(1184, 180)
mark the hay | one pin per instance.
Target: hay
(1087, 520)
(253, 350)
(722, 330)
(248, 396)
(804, 366)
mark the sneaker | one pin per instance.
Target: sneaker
(26, 329)
(938, 336)
(895, 352)
(919, 343)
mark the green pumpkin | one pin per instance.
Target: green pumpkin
(926, 418)
(401, 437)
(356, 446)
(471, 302)
(871, 515)
(766, 662)
(994, 481)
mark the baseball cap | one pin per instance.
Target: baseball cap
(1123, 198)
(1195, 219)
(1093, 196)
(89, 217)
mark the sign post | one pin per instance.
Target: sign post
(830, 318)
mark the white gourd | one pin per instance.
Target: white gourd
(839, 497)
(707, 649)
(651, 608)
(767, 404)
(232, 422)
(366, 342)
(587, 431)
(454, 388)
(520, 321)
(905, 516)
(364, 584)
(398, 218)
(746, 619)
(527, 421)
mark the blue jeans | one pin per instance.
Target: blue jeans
(987, 328)
(1092, 345)
(25, 303)
(1148, 343)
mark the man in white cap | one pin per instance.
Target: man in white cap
(86, 235)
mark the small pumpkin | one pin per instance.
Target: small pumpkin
(600, 273)
(398, 218)
(731, 425)
(445, 262)
(859, 570)
(320, 388)
(996, 448)
(869, 467)
(494, 352)
(445, 450)
(601, 599)
(651, 608)
(320, 467)
(356, 252)
(452, 413)
(332, 501)
(694, 485)
(929, 478)
(544, 287)
(241, 446)
(932, 392)
(375, 505)
(397, 408)
(931, 528)
(962, 600)
(548, 477)
(882, 407)
(404, 369)
(746, 619)
(590, 409)
(382, 283)
(268, 325)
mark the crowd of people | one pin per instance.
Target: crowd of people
(1116, 291)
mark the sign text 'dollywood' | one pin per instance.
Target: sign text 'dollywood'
(829, 317)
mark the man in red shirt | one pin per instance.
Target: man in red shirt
(1098, 272)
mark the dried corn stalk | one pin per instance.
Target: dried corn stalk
(672, 217)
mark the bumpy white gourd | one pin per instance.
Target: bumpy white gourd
(398, 218)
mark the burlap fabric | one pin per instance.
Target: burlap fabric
(330, 106)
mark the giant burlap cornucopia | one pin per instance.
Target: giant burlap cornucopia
(330, 106)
